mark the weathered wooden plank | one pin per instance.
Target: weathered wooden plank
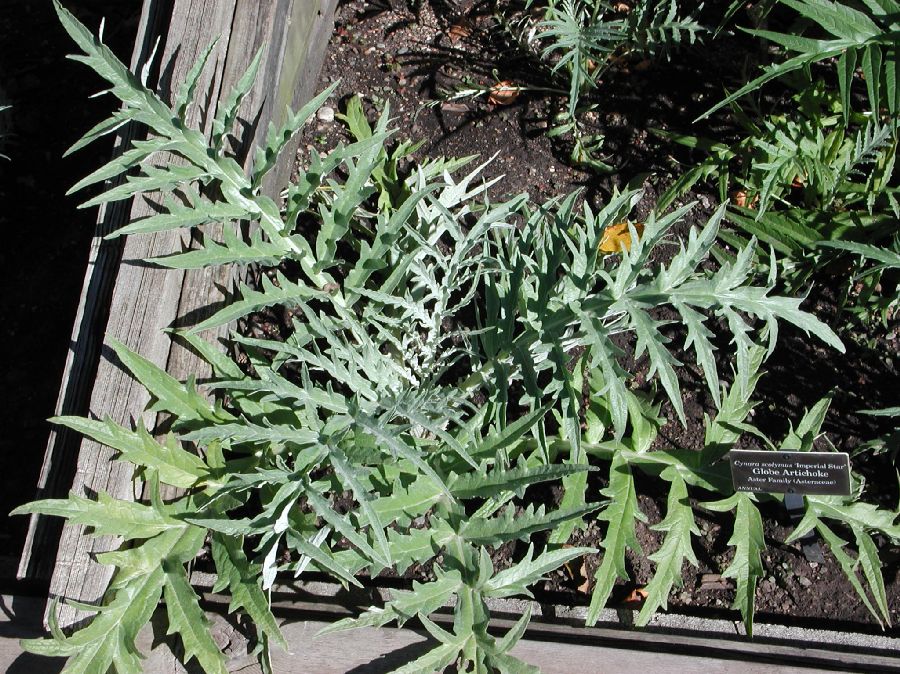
(376, 651)
(307, 32)
(84, 351)
(298, 75)
(268, 26)
(716, 638)
(293, 34)
(145, 299)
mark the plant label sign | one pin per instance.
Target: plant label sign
(784, 472)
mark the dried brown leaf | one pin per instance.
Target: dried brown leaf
(459, 31)
(503, 93)
(743, 200)
(637, 596)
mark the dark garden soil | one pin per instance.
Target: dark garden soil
(410, 58)
(45, 237)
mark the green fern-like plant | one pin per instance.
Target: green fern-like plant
(806, 185)
(858, 35)
(582, 39)
(587, 36)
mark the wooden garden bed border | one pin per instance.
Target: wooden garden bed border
(556, 639)
(133, 303)
(668, 633)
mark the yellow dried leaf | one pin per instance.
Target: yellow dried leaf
(617, 236)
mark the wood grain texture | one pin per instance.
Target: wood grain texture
(301, 62)
(377, 651)
(144, 300)
(676, 640)
(84, 346)
(293, 35)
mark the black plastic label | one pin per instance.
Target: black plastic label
(790, 472)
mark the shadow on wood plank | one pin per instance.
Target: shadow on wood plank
(20, 618)
(388, 662)
(28, 663)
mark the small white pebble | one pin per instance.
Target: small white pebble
(325, 114)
